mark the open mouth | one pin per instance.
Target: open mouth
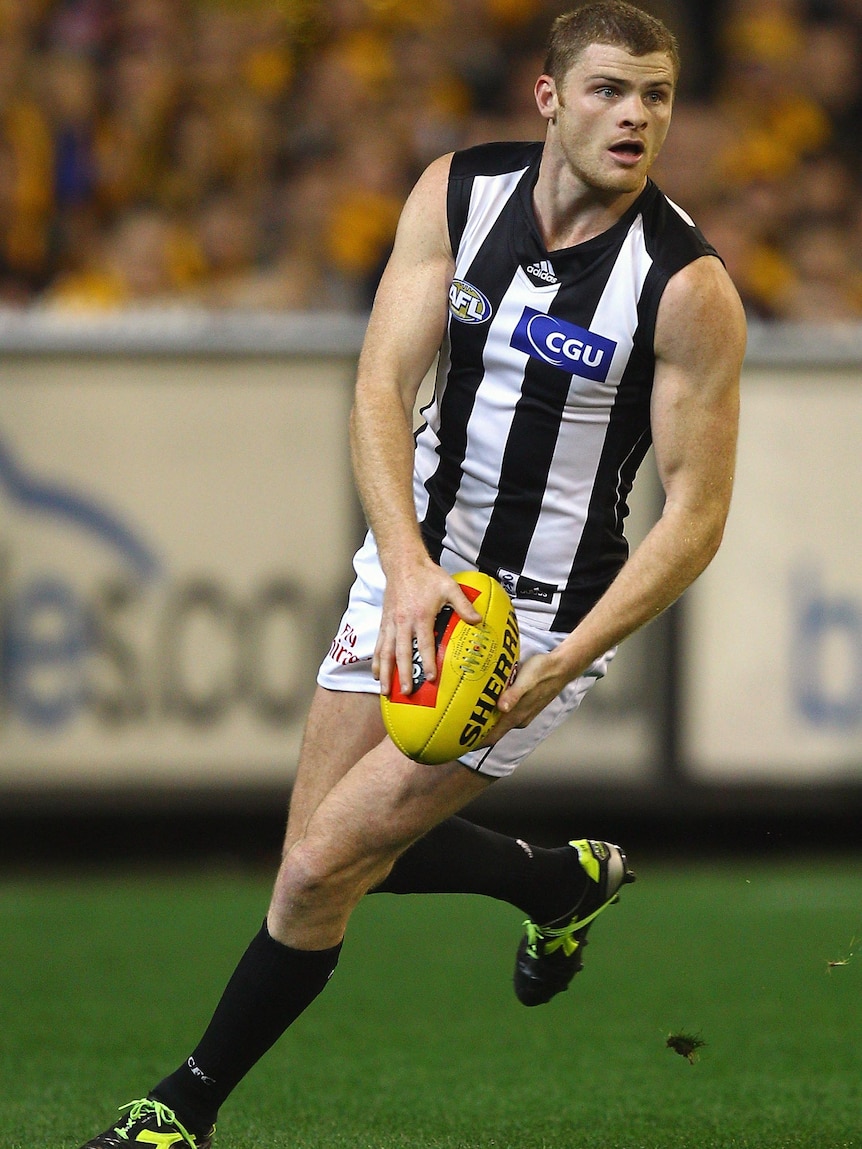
(628, 149)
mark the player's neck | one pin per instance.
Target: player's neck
(569, 212)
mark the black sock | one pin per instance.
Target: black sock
(459, 857)
(269, 989)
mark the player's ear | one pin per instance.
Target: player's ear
(546, 97)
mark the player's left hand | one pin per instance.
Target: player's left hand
(537, 683)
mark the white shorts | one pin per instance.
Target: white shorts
(347, 666)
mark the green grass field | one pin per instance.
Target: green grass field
(419, 1042)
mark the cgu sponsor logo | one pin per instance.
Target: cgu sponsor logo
(499, 679)
(467, 303)
(132, 645)
(565, 345)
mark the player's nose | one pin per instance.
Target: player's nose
(633, 114)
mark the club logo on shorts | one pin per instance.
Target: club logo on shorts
(571, 348)
(508, 580)
(467, 303)
(516, 586)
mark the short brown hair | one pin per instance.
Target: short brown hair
(606, 22)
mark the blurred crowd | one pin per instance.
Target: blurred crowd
(255, 154)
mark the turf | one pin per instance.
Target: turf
(419, 1041)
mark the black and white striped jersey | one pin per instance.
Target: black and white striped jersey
(540, 415)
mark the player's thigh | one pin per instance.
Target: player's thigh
(341, 728)
(382, 805)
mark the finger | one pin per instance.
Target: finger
(427, 651)
(382, 661)
(464, 608)
(404, 659)
(509, 699)
(502, 726)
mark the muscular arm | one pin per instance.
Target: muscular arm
(404, 333)
(700, 343)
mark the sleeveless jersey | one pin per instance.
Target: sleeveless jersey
(540, 413)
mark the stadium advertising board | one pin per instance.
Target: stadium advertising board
(174, 543)
(773, 656)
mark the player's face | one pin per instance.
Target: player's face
(610, 116)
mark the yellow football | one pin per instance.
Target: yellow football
(440, 720)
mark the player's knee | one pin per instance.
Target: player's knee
(305, 876)
(310, 876)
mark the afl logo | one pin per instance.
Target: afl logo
(467, 303)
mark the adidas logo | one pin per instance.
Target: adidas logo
(542, 272)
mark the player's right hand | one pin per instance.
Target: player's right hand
(414, 597)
